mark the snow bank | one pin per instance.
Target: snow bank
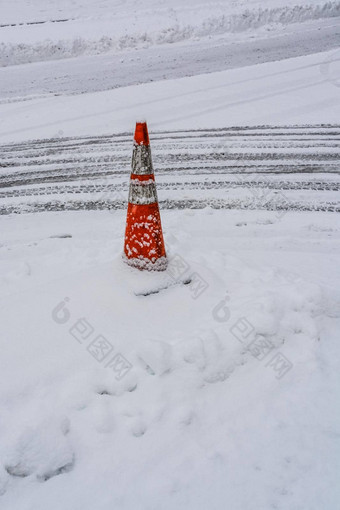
(48, 40)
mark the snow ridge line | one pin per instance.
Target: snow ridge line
(14, 54)
(27, 23)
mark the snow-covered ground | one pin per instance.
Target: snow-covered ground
(274, 168)
(228, 391)
(212, 385)
(48, 30)
(302, 90)
(168, 61)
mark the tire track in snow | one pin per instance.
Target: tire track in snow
(268, 167)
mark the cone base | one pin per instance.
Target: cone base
(142, 263)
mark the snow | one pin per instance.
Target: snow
(168, 61)
(294, 91)
(46, 33)
(213, 384)
(199, 415)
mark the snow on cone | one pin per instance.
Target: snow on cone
(144, 244)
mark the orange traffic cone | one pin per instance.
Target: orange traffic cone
(144, 244)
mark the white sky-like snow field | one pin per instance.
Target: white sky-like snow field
(227, 392)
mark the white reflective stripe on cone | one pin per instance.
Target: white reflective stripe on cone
(142, 193)
(141, 160)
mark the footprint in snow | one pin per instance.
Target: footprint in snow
(43, 451)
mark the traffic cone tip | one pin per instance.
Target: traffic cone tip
(141, 134)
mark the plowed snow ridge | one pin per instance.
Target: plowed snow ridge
(176, 29)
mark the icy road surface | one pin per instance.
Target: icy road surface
(271, 168)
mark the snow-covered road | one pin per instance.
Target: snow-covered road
(167, 61)
(273, 168)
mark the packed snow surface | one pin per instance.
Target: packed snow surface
(263, 167)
